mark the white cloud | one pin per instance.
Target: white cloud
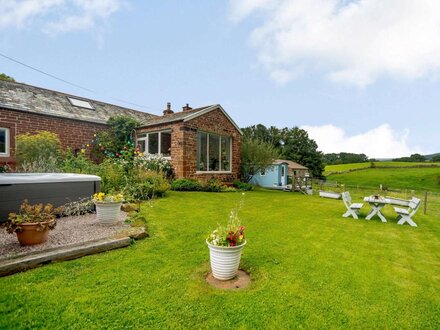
(380, 142)
(56, 16)
(354, 42)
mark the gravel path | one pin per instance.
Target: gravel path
(69, 230)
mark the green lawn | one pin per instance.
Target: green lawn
(403, 178)
(309, 266)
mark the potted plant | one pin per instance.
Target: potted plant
(225, 246)
(32, 223)
(108, 207)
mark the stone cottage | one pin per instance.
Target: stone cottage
(200, 143)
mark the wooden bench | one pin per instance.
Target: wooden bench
(352, 208)
(405, 215)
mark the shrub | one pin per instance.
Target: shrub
(113, 175)
(213, 185)
(153, 163)
(78, 164)
(38, 152)
(80, 207)
(186, 185)
(144, 185)
(242, 185)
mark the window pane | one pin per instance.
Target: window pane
(2, 140)
(141, 145)
(214, 152)
(226, 153)
(165, 144)
(202, 152)
(153, 143)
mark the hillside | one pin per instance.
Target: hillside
(397, 177)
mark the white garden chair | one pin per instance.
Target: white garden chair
(352, 208)
(405, 215)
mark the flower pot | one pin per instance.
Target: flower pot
(225, 260)
(32, 233)
(108, 213)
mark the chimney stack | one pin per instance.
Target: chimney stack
(186, 108)
(168, 110)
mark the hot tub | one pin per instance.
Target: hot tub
(54, 188)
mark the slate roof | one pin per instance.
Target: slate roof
(188, 115)
(27, 98)
(177, 116)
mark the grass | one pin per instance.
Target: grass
(329, 169)
(403, 178)
(309, 268)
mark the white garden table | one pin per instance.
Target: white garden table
(376, 203)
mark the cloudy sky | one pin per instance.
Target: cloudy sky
(361, 76)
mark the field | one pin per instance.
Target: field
(309, 267)
(347, 167)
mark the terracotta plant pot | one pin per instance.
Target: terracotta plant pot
(33, 233)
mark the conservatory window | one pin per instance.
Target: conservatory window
(4, 141)
(213, 152)
(155, 143)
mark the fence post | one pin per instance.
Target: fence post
(426, 202)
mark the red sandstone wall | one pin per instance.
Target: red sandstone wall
(72, 133)
(184, 145)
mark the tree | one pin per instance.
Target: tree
(5, 77)
(435, 158)
(345, 158)
(293, 144)
(299, 148)
(256, 155)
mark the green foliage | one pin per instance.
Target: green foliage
(38, 152)
(435, 158)
(143, 185)
(186, 185)
(213, 185)
(28, 213)
(242, 185)
(78, 163)
(412, 158)
(256, 155)
(344, 158)
(292, 143)
(5, 77)
(300, 253)
(5, 168)
(75, 208)
(117, 140)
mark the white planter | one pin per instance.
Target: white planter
(225, 260)
(329, 194)
(108, 213)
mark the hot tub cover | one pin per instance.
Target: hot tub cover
(23, 178)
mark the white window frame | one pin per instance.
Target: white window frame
(159, 146)
(263, 172)
(7, 142)
(220, 150)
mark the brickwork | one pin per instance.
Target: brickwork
(72, 133)
(184, 145)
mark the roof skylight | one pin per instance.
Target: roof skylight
(80, 103)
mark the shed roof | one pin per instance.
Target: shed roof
(290, 164)
(27, 98)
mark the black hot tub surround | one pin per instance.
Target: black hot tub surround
(54, 188)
